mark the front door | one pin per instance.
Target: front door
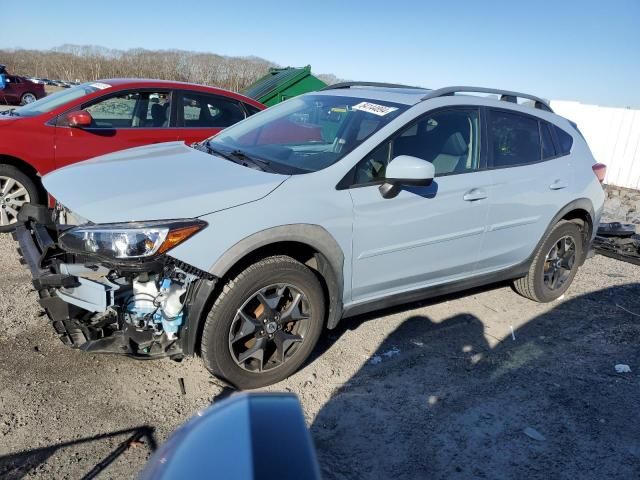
(121, 120)
(425, 235)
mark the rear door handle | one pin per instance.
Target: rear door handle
(474, 194)
(558, 185)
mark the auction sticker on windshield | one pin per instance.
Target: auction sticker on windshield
(100, 86)
(380, 110)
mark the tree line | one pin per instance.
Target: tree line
(87, 63)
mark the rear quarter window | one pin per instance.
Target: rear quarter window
(548, 147)
(565, 141)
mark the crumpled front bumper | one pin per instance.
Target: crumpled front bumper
(73, 289)
(35, 243)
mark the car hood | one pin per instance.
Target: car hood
(157, 182)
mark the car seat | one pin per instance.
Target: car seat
(158, 115)
(452, 156)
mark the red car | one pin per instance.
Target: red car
(101, 117)
(20, 91)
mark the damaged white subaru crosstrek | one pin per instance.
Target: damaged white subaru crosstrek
(244, 247)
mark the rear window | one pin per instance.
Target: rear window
(565, 141)
(514, 139)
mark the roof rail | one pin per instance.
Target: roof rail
(368, 84)
(505, 95)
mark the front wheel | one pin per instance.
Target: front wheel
(27, 98)
(264, 324)
(16, 189)
(555, 264)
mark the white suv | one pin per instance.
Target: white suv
(334, 203)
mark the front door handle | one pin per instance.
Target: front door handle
(558, 184)
(474, 194)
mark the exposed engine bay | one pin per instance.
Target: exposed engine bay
(134, 308)
(148, 306)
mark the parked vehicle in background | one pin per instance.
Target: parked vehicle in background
(20, 91)
(102, 117)
(244, 247)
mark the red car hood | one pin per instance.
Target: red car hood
(7, 120)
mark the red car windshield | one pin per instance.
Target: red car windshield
(51, 102)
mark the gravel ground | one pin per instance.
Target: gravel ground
(435, 390)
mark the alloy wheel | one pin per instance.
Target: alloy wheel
(13, 195)
(559, 263)
(28, 98)
(269, 328)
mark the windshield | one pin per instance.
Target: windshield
(51, 102)
(307, 133)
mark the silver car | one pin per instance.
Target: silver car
(243, 248)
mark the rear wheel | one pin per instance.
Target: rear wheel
(264, 324)
(16, 189)
(27, 98)
(555, 264)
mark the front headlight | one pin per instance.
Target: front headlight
(129, 241)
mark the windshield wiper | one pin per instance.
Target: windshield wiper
(11, 112)
(237, 156)
(255, 160)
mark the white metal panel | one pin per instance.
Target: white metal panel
(613, 135)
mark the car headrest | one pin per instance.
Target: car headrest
(454, 145)
(157, 112)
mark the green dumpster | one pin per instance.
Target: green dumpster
(283, 83)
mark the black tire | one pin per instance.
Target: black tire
(216, 347)
(11, 172)
(533, 285)
(27, 98)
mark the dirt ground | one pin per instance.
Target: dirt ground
(441, 389)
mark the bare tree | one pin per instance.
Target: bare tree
(89, 62)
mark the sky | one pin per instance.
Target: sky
(582, 50)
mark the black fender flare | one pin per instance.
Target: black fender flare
(578, 204)
(330, 264)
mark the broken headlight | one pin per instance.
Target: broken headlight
(134, 241)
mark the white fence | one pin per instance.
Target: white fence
(613, 134)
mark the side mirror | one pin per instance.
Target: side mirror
(220, 439)
(78, 119)
(406, 170)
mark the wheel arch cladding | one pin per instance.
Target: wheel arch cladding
(329, 257)
(579, 211)
(310, 244)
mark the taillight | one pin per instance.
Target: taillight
(600, 171)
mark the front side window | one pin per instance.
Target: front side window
(448, 139)
(209, 111)
(132, 110)
(514, 139)
(307, 133)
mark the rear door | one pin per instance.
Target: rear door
(530, 184)
(202, 115)
(120, 120)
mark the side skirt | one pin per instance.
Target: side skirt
(437, 290)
